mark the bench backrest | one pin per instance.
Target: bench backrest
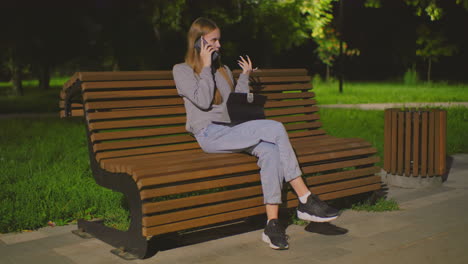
(136, 113)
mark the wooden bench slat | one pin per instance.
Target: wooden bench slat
(142, 142)
(160, 206)
(147, 150)
(304, 146)
(133, 103)
(200, 212)
(73, 105)
(145, 180)
(204, 160)
(111, 145)
(173, 93)
(177, 110)
(155, 207)
(237, 214)
(308, 146)
(291, 110)
(351, 191)
(137, 133)
(278, 96)
(136, 84)
(177, 120)
(342, 164)
(297, 118)
(203, 185)
(283, 87)
(148, 112)
(281, 79)
(151, 150)
(273, 72)
(300, 126)
(308, 133)
(179, 101)
(74, 112)
(300, 102)
(255, 177)
(304, 143)
(129, 94)
(137, 123)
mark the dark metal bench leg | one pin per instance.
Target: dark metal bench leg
(128, 245)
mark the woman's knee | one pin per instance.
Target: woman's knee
(266, 150)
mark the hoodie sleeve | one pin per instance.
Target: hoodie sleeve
(242, 85)
(200, 91)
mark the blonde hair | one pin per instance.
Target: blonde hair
(200, 27)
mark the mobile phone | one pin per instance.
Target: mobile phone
(197, 46)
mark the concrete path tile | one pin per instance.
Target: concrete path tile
(13, 238)
(89, 251)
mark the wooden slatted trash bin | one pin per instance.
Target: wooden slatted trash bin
(414, 147)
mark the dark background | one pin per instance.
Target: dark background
(63, 37)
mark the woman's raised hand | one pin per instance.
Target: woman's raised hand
(246, 65)
(205, 53)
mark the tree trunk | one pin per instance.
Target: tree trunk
(44, 77)
(16, 78)
(267, 50)
(327, 76)
(429, 70)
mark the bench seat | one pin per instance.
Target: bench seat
(135, 122)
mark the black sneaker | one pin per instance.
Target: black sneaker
(275, 235)
(316, 210)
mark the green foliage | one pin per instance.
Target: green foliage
(279, 20)
(319, 14)
(373, 3)
(166, 13)
(329, 47)
(433, 45)
(411, 77)
(382, 205)
(427, 7)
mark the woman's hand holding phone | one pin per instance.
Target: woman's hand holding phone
(205, 53)
(246, 65)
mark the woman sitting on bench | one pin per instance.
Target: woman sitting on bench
(205, 84)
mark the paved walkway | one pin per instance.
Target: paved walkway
(432, 227)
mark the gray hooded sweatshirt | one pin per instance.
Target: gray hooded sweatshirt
(198, 94)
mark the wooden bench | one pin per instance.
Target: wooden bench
(138, 145)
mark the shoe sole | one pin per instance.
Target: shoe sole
(266, 239)
(314, 218)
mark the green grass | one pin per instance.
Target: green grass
(46, 176)
(373, 92)
(382, 205)
(34, 99)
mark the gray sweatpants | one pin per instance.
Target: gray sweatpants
(265, 139)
